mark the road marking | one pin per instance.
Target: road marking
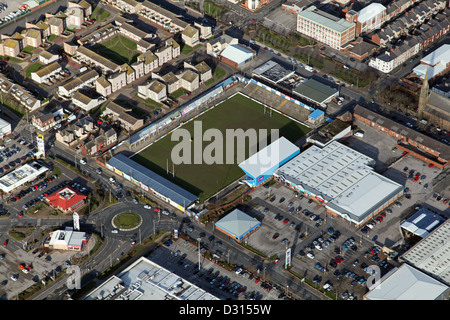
(282, 104)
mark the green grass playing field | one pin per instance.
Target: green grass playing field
(204, 180)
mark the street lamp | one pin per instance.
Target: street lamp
(198, 240)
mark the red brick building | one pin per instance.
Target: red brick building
(415, 143)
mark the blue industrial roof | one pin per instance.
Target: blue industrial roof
(151, 179)
(316, 114)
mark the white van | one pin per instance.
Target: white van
(359, 134)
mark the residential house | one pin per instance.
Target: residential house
(118, 80)
(98, 142)
(85, 102)
(172, 82)
(84, 5)
(138, 68)
(76, 131)
(75, 17)
(205, 30)
(150, 61)
(103, 86)
(190, 80)
(44, 27)
(202, 68)
(10, 47)
(56, 25)
(164, 54)
(32, 38)
(126, 5)
(70, 48)
(46, 57)
(19, 94)
(155, 90)
(176, 48)
(43, 121)
(85, 55)
(85, 80)
(162, 17)
(190, 36)
(124, 116)
(129, 73)
(47, 73)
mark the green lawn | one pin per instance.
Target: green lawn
(99, 14)
(175, 95)
(185, 49)
(118, 49)
(204, 180)
(32, 68)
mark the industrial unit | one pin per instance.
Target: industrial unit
(341, 179)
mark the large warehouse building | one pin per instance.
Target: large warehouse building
(146, 280)
(151, 182)
(432, 254)
(261, 165)
(408, 283)
(342, 179)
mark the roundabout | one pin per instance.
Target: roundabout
(126, 221)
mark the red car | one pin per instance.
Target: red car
(253, 20)
(132, 243)
(286, 221)
(275, 236)
(416, 179)
(5, 243)
(379, 219)
(157, 210)
(277, 260)
(383, 215)
(430, 165)
(20, 214)
(338, 260)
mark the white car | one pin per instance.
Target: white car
(147, 206)
(112, 180)
(98, 171)
(327, 286)
(14, 277)
(310, 255)
(82, 161)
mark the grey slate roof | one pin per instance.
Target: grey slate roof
(152, 180)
